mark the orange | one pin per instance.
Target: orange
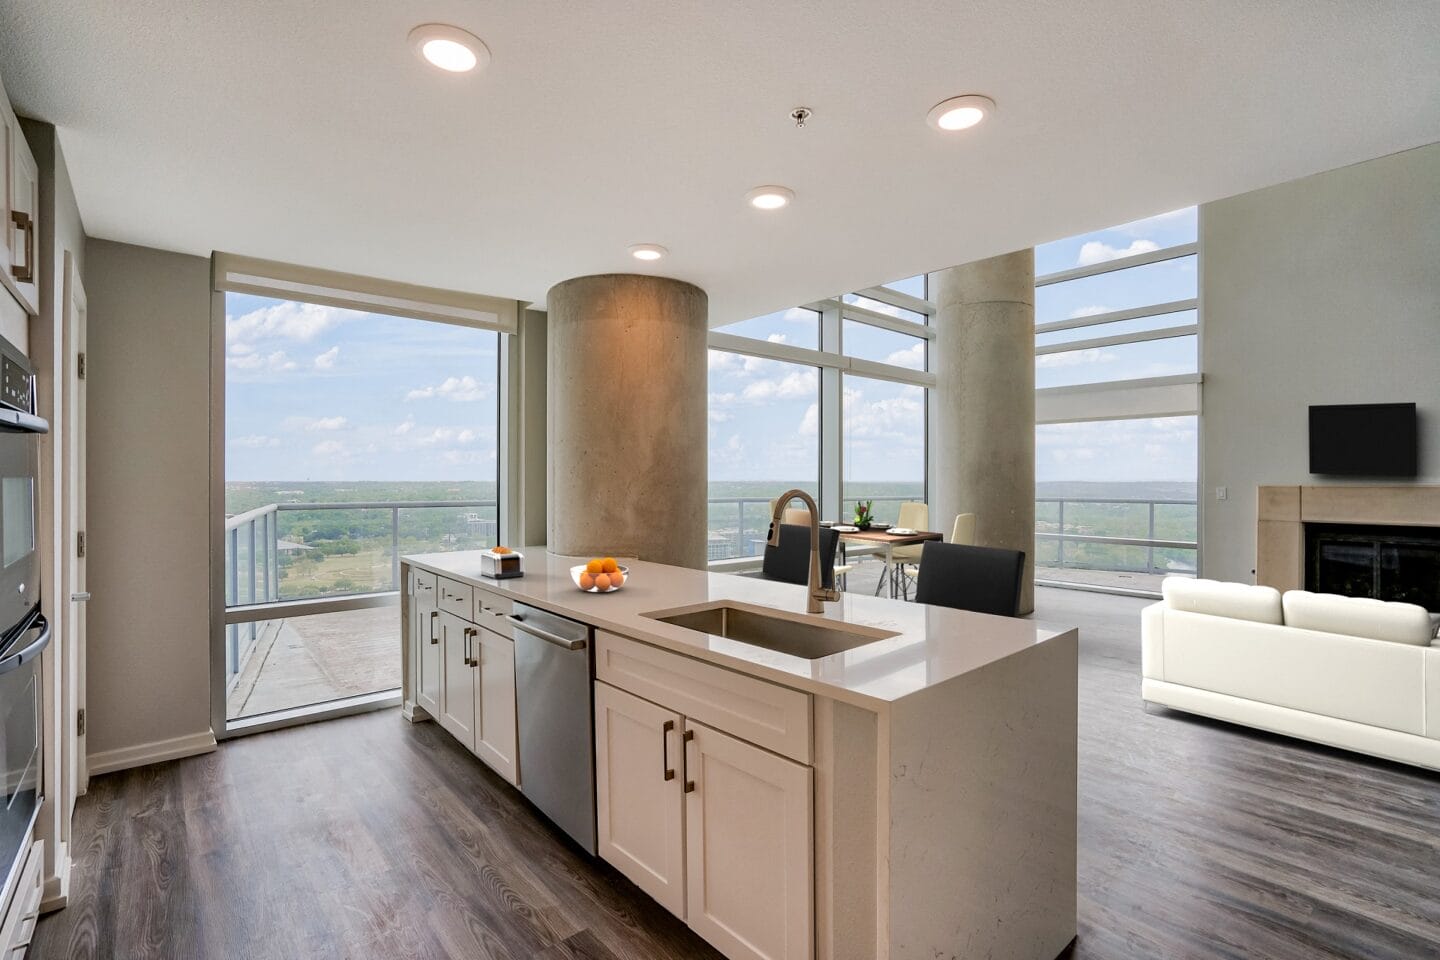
(602, 582)
(586, 581)
(609, 564)
(595, 566)
(617, 578)
(499, 549)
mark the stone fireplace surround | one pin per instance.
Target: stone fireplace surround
(1283, 511)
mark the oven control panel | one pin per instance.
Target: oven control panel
(16, 385)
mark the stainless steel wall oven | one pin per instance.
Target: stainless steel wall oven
(24, 631)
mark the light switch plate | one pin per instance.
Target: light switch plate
(1222, 493)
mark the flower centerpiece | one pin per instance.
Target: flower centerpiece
(863, 514)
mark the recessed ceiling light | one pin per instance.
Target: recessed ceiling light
(647, 251)
(770, 197)
(960, 113)
(449, 48)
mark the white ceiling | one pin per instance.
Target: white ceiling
(309, 132)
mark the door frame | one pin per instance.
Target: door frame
(74, 773)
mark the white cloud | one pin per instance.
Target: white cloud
(911, 357)
(810, 421)
(793, 385)
(1091, 311)
(719, 416)
(273, 362)
(1098, 251)
(464, 389)
(314, 424)
(777, 338)
(724, 362)
(330, 450)
(287, 320)
(254, 440)
(1074, 358)
(405, 427)
(326, 360)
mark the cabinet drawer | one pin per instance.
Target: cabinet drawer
(491, 611)
(456, 598)
(424, 590)
(763, 713)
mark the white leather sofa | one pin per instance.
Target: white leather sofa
(1353, 673)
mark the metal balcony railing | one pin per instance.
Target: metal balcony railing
(256, 556)
(1058, 531)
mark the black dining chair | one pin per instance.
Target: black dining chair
(982, 579)
(790, 561)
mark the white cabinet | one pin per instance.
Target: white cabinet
(464, 672)
(20, 192)
(457, 673)
(425, 629)
(639, 804)
(749, 877)
(719, 831)
(495, 740)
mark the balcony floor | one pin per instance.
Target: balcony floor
(300, 661)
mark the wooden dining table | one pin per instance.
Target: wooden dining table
(889, 541)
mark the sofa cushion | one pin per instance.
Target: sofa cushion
(1358, 617)
(1238, 601)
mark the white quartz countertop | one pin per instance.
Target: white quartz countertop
(932, 644)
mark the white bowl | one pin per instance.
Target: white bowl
(577, 570)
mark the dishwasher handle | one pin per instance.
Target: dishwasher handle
(546, 635)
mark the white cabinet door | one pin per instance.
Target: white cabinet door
(749, 849)
(495, 703)
(458, 673)
(427, 660)
(22, 215)
(639, 804)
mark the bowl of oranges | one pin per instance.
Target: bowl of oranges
(601, 575)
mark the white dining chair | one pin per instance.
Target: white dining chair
(916, 516)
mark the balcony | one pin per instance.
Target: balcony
(312, 595)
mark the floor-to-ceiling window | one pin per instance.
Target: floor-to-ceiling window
(830, 397)
(1117, 379)
(352, 437)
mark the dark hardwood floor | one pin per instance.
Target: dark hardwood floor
(372, 838)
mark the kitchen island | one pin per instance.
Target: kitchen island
(883, 780)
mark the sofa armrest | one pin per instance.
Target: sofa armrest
(1152, 641)
(1432, 692)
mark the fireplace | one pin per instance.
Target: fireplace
(1384, 562)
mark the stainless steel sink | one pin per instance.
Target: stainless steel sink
(807, 637)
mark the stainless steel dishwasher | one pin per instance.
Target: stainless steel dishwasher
(554, 670)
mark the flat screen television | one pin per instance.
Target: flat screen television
(1364, 440)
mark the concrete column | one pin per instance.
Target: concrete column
(984, 364)
(627, 377)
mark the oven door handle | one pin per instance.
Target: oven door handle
(30, 651)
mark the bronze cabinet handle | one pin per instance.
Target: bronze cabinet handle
(665, 749)
(24, 222)
(689, 784)
(434, 615)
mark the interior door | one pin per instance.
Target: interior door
(639, 805)
(749, 883)
(74, 775)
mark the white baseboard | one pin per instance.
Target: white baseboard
(56, 894)
(146, 753)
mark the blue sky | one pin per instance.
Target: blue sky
(321, 393)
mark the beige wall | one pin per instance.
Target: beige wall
(149, 401)
(1322, 290)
